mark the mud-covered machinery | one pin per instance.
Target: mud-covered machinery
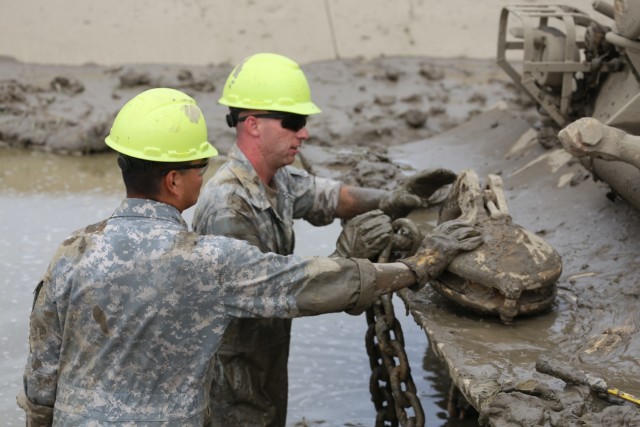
(573, 66)
(514, 271)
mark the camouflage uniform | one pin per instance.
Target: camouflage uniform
(250, 384)
(131, 310)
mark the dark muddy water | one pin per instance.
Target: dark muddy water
(44, 197)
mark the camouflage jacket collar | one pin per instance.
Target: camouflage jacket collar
(145, 208)
(242, 168)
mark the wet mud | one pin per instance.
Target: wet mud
(370, 103)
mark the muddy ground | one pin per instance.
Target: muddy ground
(386, 101)
(381, 118)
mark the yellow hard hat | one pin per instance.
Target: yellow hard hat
(268, 81)
(161, 125)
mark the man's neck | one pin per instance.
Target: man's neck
(265, 173)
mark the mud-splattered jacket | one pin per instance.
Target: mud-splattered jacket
(234, 203)
(251, 383)
(131, 310)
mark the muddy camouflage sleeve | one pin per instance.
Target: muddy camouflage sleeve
(131, 310)
(40, 376)
(316, 198)
(272, 285)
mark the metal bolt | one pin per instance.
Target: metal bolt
(590, 133)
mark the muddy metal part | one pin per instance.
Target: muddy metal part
(589, 137)
(574, 66)
(513, 272)
(572, 376)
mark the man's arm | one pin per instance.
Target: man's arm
(436, 251)
(412, 193)
(358, 200)
(393, 276)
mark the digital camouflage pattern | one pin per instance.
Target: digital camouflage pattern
(235, 203)
(131, 310)
(250, 379)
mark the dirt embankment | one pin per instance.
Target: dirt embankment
(372, 103)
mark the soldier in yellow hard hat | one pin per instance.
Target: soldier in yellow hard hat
(130, 311)
(255, 196)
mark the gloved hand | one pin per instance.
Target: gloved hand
(364, 236)
(415, 191)
(440, 247)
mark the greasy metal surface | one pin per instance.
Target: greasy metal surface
(618, 105)
(608, 89)
(589, 137)
(593, 324)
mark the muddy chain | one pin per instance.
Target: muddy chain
(391, 385)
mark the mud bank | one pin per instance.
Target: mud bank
(387, 101)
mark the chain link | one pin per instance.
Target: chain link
(391, 385)
(379, 383)
(392, 388)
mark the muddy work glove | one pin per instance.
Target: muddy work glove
(364, 236)
(415, 192)
(439, 248)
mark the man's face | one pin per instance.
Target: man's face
(279, 145)
(190, 178)
(196, 178)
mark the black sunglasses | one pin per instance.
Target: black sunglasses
(290, 121)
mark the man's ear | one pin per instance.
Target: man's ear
(250, 125)
(171, 182)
